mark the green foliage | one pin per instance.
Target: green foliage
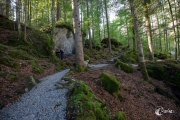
(130, 57)
(111, 84)
(7, 61)
(36, 68)
(61, 24)
(86, 57)
(84, 105)
(120, 116)
(80, 68)
(60, 65)
(125, 67)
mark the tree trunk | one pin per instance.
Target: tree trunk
(25, 3)
(175, 44)
(77, 34)
(7, 8)
(148, 31)
(89, 29)
(53, 22)
(18, 15)
(58, 10)
(139, 43)
(107, 23)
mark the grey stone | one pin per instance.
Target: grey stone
(29, 117)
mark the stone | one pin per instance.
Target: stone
(29, 117)
(59, 85)
(64, 39)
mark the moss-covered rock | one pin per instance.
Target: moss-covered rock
(84, 105)
(120, 116)
(114, 42)
(168, 72)
(130, 57)
(111, 84)
(124, 66)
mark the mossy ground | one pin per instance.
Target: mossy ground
(84, 105)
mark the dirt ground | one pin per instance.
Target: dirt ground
(140, 99)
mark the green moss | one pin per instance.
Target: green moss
(79, 68)
(162, 91)
(7, 61)
(67, 25)
(86, 57)
(125, 67)
(120, 116)
(111, 84)
(60, 65)
(19, 54)
(130, 57)
(13, 77)
(36, 68)
(84, 105)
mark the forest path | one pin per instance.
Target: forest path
(43, 102)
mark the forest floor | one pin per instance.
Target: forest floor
(140, 99)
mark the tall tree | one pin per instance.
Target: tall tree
(58, 10)
(25, 4)
(148, 29)
(89, 24)
(7, 8)
(172, 18)
(139, 43)
(53, 20)
(18, 6)
(107, 23)
(77, 33)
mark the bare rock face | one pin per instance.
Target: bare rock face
(64, 39)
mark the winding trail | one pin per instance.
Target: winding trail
(43, 102)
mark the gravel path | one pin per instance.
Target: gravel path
(43, 102)
(97, 65)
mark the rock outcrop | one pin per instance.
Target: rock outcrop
(64, 39)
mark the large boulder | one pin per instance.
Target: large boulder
(114, 42)
(64, 39)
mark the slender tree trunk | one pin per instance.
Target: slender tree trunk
(139, 43)
(53, 22)
(148, 31)
(107, 23)
(175, 44)
(25, 3)
(7, 8)
(58, 10)
(77, 34)
(18, 15)
(89, 28)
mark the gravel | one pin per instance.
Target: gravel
(97, 65)
(43, 102)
